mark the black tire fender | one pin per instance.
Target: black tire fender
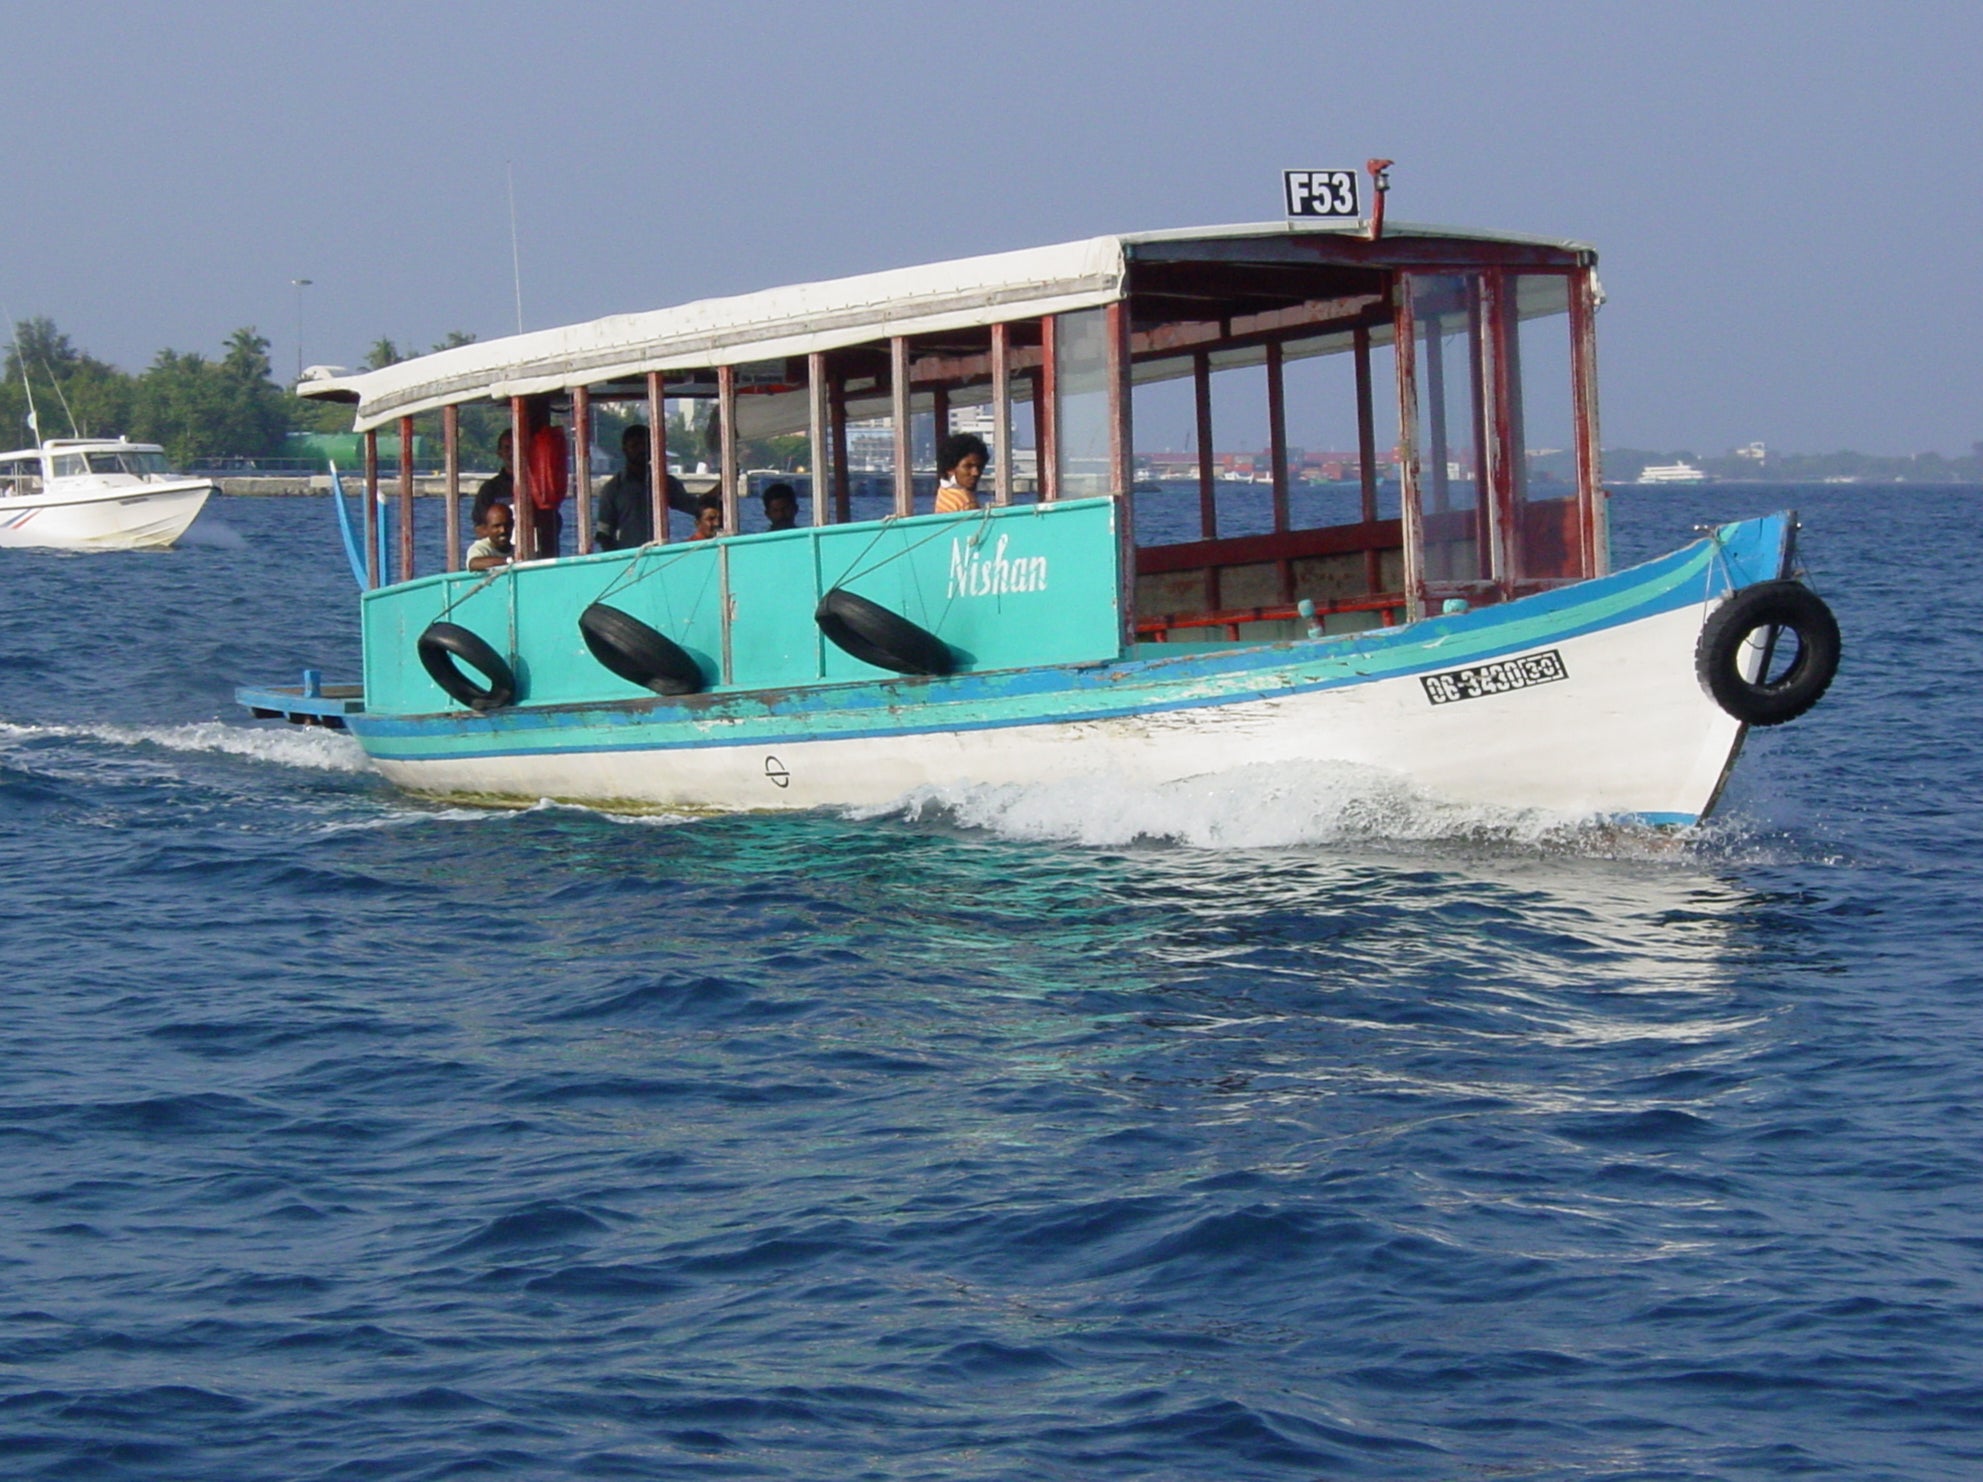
(443, 643)
(874, 635)
(1768, 605)
(624, 644)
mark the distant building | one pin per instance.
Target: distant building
(1754, 452)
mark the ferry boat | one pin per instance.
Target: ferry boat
(1460, 627)
(1672, 473)
(78, 493)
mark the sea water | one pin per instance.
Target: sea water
(1295, 1127)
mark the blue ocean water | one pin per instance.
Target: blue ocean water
(1298, 1129)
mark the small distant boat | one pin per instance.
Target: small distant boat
(1672, 473)
(77, 493)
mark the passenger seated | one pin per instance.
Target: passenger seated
(961, 461)
(492, 545)
(708, 517)
(781, 507)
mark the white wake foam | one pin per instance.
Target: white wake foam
(1260, 807)
(297, 746)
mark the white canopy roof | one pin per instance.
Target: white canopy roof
(799, 320)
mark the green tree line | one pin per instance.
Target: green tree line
(200, 409)
(195, 407)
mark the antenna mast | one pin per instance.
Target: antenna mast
(27, 385)
(516, 258)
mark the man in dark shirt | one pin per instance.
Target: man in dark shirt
(499, 489)
(624, 517)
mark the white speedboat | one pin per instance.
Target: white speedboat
(79, 493)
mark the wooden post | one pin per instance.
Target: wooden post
(818, 433)
(726, 409)
(843, 492)
(451, 446)
(1046, 412)
(1583, 386)
(1001, 359)
(1277, 433)
(898, 391)
(1122, 481)
(1201, 385)
(524, 526)
(1366, 454)
(1121, 399)
(657, 458)
(405, 542)
(1489, 537)
(371, 509)
(1405, 353)
(581, 436)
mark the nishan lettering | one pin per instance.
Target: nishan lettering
(973, 574)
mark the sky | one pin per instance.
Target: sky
(1784, 196)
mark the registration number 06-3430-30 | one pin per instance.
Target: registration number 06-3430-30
(1497, 678)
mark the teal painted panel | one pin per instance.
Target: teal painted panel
(774, 587)
(1006, 588)
(1017, 588)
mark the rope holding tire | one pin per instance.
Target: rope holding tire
(874, 635)
(624, 644)
(1775, 606)
(443, 643)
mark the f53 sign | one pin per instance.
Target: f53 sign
(1331, 194)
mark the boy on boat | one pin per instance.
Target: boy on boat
(962, 460)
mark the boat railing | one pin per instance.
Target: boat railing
(1158, 628)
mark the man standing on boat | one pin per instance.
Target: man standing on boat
(500, 488)
(625, 516)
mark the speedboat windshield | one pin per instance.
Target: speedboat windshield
(142, 462)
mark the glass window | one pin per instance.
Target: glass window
(1446, 313)
(1547, 541)
(69, 466)
(1081, 426)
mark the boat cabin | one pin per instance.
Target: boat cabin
(60, 458)
(1451, 373)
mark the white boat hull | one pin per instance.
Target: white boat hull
(1630, 732)
(119, 517)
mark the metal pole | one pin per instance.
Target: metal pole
(299, 284)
